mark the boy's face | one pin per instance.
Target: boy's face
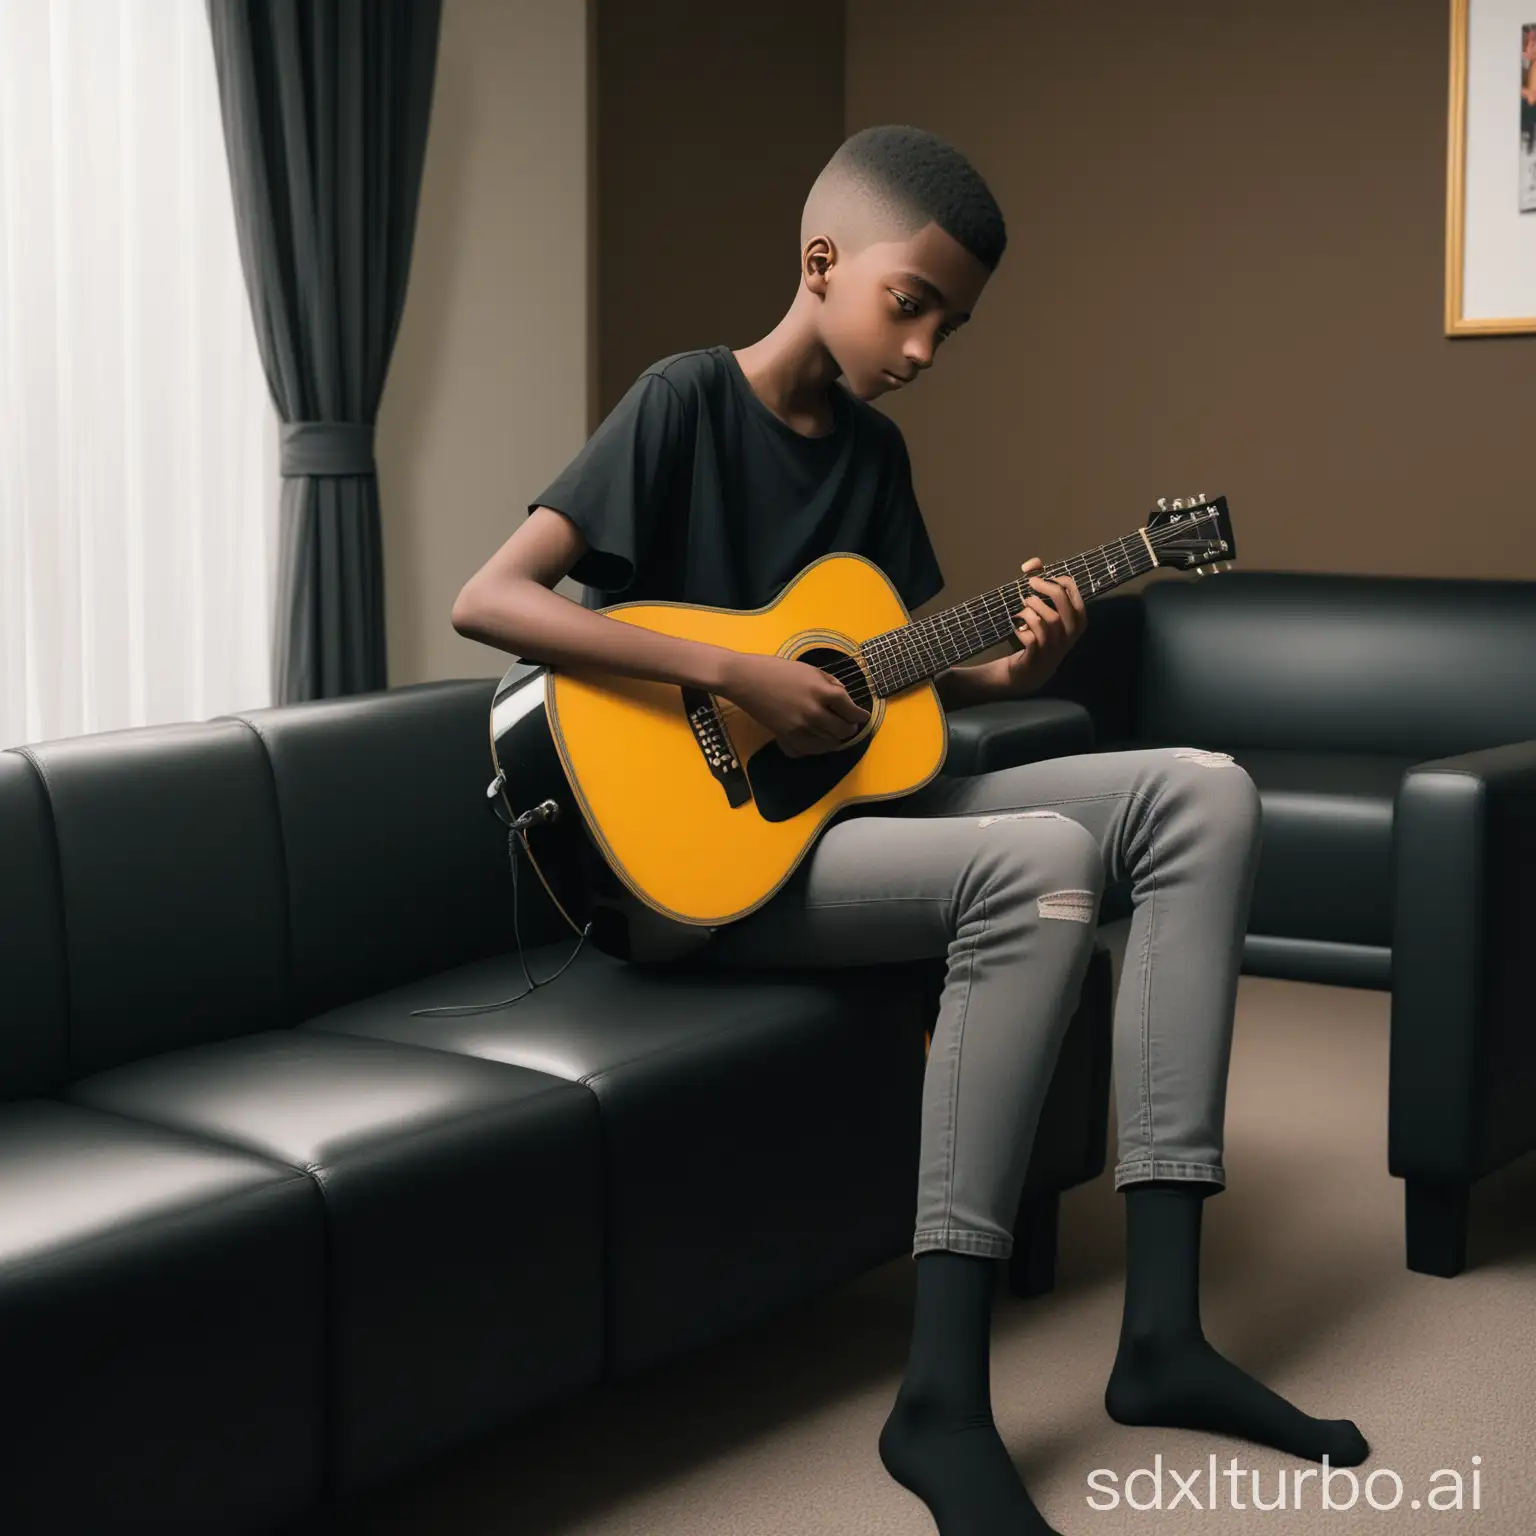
(886, 311)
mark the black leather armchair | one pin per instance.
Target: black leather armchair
(1390, 726)
(267, 1238)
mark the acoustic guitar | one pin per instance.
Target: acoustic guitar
(683, 811)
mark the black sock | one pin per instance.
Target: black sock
(940, 1441)
(1166, 1373)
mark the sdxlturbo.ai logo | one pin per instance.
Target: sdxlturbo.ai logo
(1337, 1488)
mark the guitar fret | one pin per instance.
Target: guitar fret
(1002, 620)
(957, 642)
(953, 630)
(976, 627)
(934, 640)
(880, 663)
(922, 631)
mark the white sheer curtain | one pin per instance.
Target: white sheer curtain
(138, 443)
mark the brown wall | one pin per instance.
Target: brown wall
(1225, 274)
(711, 121)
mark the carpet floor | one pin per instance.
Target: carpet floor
(1303, 1284)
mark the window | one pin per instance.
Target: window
(138, 442)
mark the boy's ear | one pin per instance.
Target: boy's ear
(815, 261)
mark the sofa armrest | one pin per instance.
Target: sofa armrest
(1463, 1054)
(1007, 732)
(1102, 671)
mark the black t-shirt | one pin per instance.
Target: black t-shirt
(693, 491)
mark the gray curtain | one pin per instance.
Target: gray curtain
(325, 106)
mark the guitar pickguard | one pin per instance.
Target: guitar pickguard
(783, 786)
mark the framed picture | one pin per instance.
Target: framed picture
(1490, 245)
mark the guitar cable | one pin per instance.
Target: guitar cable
(517, 836)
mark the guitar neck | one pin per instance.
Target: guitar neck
(921, 650)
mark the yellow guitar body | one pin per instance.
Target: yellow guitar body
(652, 804)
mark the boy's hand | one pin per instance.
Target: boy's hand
(1052, 624)
(805, 708)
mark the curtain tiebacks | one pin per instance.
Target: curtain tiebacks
(326, 448)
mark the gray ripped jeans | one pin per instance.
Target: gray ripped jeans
(1002, 873)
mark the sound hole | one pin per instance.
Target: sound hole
(783, 787)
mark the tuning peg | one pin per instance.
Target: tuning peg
(1178, 501)
(1200, 498)
(1162, 503)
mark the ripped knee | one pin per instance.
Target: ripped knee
(1070, 906)
(1074, 905)
(1204, 758)
(986, 821)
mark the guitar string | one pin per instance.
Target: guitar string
(850, 672)
(886, 647)
(847, 673)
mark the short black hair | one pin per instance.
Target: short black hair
(914, 178)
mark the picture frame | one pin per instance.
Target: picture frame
(1490, 287)
(1490, 208)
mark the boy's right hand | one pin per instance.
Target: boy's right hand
(807, 710)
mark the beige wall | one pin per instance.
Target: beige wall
(487, 395)
(713, 120)
(1225, 274)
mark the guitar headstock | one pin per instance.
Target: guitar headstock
(1193, 532)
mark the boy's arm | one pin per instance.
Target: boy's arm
(977, 683)
(508, 604)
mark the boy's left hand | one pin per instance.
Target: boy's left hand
(1052, 622)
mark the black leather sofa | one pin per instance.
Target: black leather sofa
(1390, 726)
(267, 1238)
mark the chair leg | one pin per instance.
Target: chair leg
(1435, 1215)
(1032, 1265)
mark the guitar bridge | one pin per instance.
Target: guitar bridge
(715, 743)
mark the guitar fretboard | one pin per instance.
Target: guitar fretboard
(926, 647)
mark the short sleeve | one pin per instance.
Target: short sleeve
(616, 488)
(908, 556)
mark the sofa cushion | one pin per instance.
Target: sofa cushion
(33, 1037)
(162, 1303)
(171, 885)
(1325, 863)
(396, 866)
(760, 1130)
(1406, 667)
(462, 1203)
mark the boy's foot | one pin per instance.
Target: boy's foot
(1183, 1383)
(957, 1464)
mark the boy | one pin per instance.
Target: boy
(717, 479)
